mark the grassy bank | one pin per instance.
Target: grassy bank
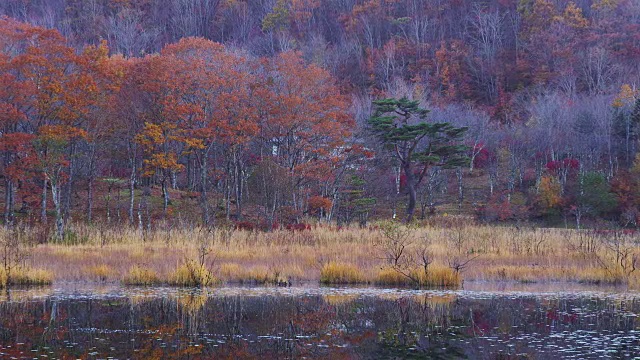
(384, 254)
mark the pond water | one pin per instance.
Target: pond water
(484, 322)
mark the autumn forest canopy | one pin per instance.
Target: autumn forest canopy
(267, 113)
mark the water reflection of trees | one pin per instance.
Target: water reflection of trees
(199, 324)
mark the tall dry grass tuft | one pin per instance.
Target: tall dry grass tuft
(32, 277)
(191, 274)
(141, 277)
(101, 272)
(25, 276)
(437, 276)
(340, 273)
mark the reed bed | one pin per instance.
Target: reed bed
(328, 254)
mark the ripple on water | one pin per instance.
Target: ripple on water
(533, 322)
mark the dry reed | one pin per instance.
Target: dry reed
(340, 273)
(25, 276)
(141, 277)
(348, 254)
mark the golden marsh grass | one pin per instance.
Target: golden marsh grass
(349, 254)
(25, 276)
(341, 273)
(141, 277)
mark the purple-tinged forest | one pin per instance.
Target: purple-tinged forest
(256, 112)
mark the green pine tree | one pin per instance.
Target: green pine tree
(418, 145)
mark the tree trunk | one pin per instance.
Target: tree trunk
(165, 195)
(238, 187)
(66, 207)
(108, 204)
(227, 192)
(411, 189)
(90, 199)
(147, 193)
(43, 211)
(56, 197)
(190, 169)
(174, 180)
(132, 182)
(140, 223)
(334, 205)
(92, 166)
(8, 201)
(460, 187)
(203, 190)
(397, 192)
(132, 195)
(117, 207)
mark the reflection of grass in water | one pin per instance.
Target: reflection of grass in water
(22, 295)
(192, 302)
(369, 326)
(394, 343)
(436, 300)
(339, 299)
(428, 327)
(139, 300)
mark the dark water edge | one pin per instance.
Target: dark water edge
(484, 321)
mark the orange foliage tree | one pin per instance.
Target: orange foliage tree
(46, 101)
(221, 117)
(305, 124)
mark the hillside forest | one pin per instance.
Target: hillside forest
(258, 114)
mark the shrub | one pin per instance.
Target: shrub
(191, 274)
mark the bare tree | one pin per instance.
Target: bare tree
(128, 35)
(486, 35)
(193, 17)
(598, 70)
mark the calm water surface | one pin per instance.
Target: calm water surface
(483, 322)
